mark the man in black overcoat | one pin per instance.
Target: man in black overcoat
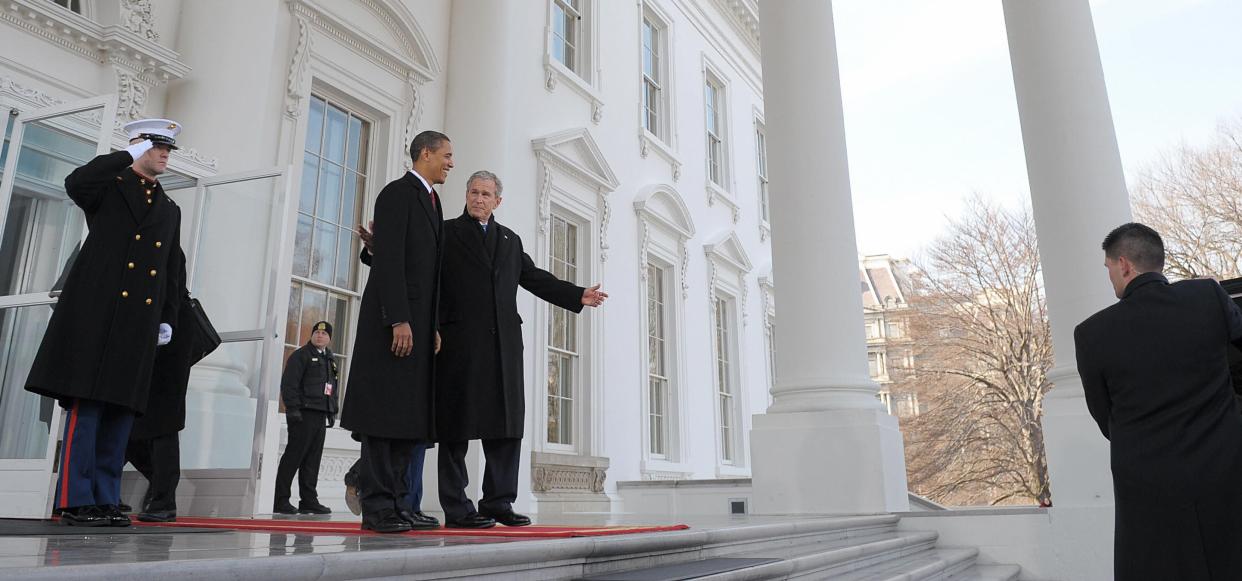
(119, 302)
(389, 401)
(308, 388)
(1155, 375)
(479, 379)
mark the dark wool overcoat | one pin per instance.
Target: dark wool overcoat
(389, 396)
(1155, 375)
(479, 378)
(100, 342)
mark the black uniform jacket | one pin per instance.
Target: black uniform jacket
(1156, 380)
(101, 339)
(479, 378)
(303, 383)
(389, 396)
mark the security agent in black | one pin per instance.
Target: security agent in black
(308, 389)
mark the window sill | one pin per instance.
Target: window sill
(657, 469)
(731, 471)
(555, 72)
(715, 193)
(648, 142)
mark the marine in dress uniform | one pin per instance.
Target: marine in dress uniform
(479, 378)
(119, 303)
(308, 389)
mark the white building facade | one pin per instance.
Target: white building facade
(630, 138)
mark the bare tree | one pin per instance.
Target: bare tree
(983, 349)
(1193, 197)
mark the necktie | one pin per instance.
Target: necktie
(484, 227)
(434, 201)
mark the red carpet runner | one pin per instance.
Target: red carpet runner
(323, 527)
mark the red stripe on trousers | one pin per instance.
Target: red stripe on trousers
(64, 465)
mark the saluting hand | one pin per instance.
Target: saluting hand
(367, 233)
(402, 340)
(593, 297)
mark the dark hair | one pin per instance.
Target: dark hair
(429, 140)
(1140, 244)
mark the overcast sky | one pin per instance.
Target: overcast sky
(929, 103)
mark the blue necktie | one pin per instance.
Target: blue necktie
(484, 228)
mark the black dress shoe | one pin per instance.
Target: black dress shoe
(84, 516)
(509, 519)
(125, 508)
(116, 518)
(158, 516)
(284, 508)
(470, 521)
(387, 524)
(419, 521)
(313, 508)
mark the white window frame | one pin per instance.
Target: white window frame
(663, 141)
(666, 335)
(728, 267)
(718, 191)
(584, 76)
(763, 193)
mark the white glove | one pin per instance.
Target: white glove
(165, 334)
(138, 149)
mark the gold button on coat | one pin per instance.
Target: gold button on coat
(124, 294)
(130, 266)
(148, 301)
(158, 244)
(137, 236)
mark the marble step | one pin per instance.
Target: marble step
(854, 560)
(989, 573)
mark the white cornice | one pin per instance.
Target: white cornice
(417, 59)
(744, 16)
(741, 56)
(152, 63)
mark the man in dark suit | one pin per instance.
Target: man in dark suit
(389, 403)
(1155, 375)
(119, 302)
(479, 379)
(308, 388)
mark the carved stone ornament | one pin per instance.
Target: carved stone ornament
(295, 91)
(136, 17)
(131, 96)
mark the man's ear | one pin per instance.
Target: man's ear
(499, 200)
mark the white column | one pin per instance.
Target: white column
(1078, 193)
(825, 445)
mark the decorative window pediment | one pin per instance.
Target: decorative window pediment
(575, 151)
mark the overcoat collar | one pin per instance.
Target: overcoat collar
(471, 236)
(1143, 280)
(133, 190)
(435, 214)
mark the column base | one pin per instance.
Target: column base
(828, 462)
(1078, 455)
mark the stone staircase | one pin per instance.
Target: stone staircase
(863, 548)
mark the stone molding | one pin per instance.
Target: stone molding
(136, 17)
(413, 56)
(568, 473)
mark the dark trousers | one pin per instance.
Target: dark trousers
(382, 487)
(414, 478)
(159, 461)
(302, 455)
(500, 477)
(93, 454)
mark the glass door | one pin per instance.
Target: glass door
(39, 229)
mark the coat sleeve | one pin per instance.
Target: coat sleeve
(1094, 386)
(291, 381)
(365, 257)
(544, 285)
(392, 215)
(86, 185)
(1233, 315)
(175, 288)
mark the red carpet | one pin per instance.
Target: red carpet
(326, 527)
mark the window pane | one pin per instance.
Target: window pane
(357, 143)
(329, 205)
(323, 255)
(335, 135)
(314, 125)
(314, 309)
(310, 181)
(347, 253)
(302, 247)
(294, 315)
(350, 200)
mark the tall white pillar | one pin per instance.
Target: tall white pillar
(1078, 193)
(825, 445)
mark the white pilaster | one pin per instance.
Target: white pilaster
(1078, 194)
(825, 445)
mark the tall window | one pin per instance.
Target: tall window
(567, 32)
(713, 96)
(724, 374)
(652, 81)
(325, 250)
(657, 357)
(761, 168)
(563, 354)
(74, 5)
